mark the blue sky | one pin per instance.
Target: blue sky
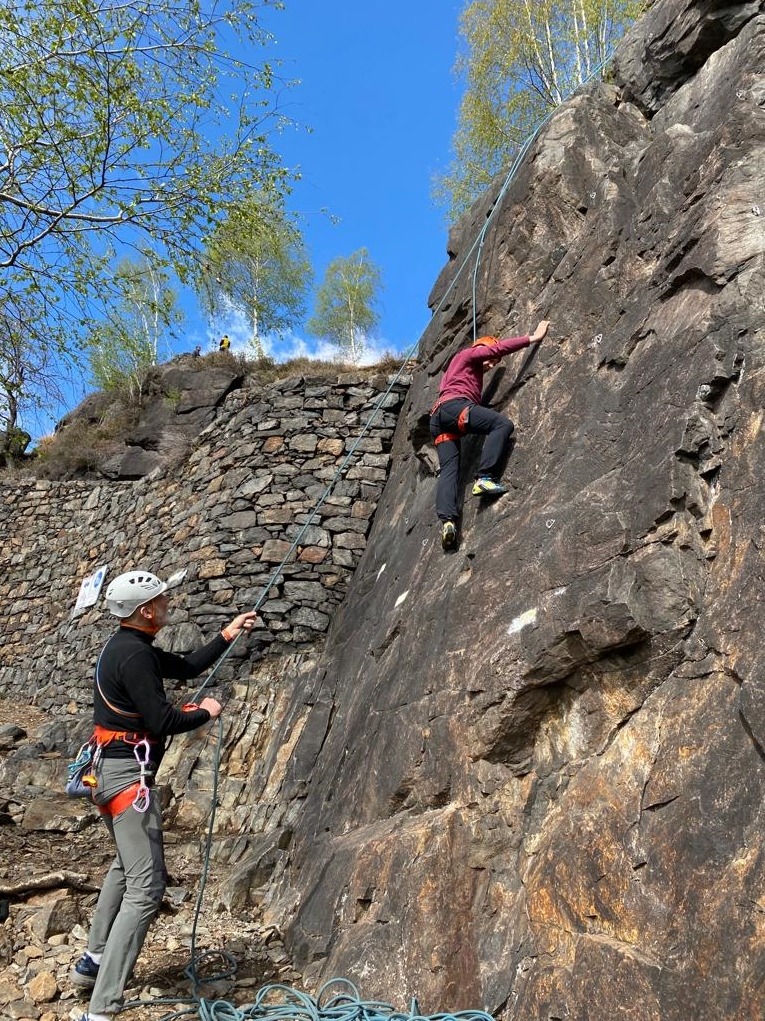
(378, 91)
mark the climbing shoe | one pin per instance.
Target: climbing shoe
(488, 487)
(448, 535)
(84, 973)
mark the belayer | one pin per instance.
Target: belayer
(458, 411)
(133, 720)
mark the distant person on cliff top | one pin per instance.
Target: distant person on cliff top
(458, 411)
(225, 343)
(133, 720)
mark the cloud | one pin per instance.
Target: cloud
(289, 345)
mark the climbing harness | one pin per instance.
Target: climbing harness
(137, 795)
(125, 799)
(462, 424)
(104, 736)
(82, 773)
(82, 779)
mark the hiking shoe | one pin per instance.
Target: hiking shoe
(84, 974)
(488, 487)
(448, 535)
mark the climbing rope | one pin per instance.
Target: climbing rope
(297, 1006)
(510, 176)
(477, 244)
(278, 1002)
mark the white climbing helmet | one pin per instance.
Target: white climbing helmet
(131, 590)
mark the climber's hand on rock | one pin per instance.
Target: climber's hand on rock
(540, 332)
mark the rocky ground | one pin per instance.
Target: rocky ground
(49, 878)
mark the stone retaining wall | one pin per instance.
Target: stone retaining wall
(231, 513)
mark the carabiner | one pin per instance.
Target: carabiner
(143, 794)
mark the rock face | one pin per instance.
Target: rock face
(529, 776)
(180, 399)
(531, 773)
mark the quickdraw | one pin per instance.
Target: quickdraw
(143, 794)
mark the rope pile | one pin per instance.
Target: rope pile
(277, 1002)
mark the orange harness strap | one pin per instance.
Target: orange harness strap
(462, 424)
(105, 736)
(120, 801)
(443, 437)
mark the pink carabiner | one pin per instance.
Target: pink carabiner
(142, 798)
(143, 762)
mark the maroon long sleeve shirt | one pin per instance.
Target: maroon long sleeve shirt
(464, 374)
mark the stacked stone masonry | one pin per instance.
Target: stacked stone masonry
(271, 508)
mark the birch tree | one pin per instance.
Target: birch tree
(523, 59)
(345, 312)
(125, 345)
(123, 124)
(256, 263)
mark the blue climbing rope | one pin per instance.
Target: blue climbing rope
(477, 245)
(279, 1002)
(295, 1005)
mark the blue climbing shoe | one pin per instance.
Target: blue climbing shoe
(448, 535)
(488, 487)
(84, 973)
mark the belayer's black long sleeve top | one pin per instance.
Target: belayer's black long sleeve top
(129, 694)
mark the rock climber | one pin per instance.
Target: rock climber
(225, 343)
(458, 411)
(133, 719)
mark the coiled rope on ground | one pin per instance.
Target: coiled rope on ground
(278, 1002)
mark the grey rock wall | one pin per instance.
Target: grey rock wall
(232, 512)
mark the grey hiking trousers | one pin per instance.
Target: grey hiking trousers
(131, 894)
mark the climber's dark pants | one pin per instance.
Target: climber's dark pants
(497, 428)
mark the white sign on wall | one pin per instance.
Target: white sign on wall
(90, 589)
